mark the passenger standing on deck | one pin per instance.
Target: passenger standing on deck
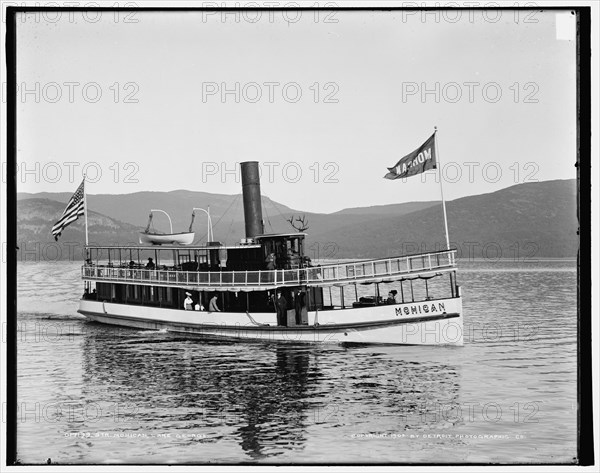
(281, 306)
(150, 264)
(188, 303)
(298, 304)
(212, 306)
(270, 261)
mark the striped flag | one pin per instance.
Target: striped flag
(75, 208)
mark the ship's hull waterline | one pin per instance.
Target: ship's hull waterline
(434, 322)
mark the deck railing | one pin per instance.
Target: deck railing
(336, 273)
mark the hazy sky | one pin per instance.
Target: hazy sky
(501, 91)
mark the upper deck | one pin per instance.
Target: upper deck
(334, 274)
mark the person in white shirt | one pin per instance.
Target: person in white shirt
(188, 303)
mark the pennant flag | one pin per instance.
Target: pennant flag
(74, 209)
(421, 160)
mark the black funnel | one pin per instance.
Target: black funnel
(252, 202)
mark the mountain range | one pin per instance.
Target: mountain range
(528, 220)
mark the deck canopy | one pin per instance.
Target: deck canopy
(280, 235)
(206, 258)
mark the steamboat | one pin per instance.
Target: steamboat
(267, 289)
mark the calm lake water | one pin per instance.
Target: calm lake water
(90, 393)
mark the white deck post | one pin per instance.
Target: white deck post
(85, 211)
(441, 188)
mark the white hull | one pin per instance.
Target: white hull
(437, 322)
(166, 238)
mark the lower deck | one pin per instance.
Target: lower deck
(310, 298)
(434, 322)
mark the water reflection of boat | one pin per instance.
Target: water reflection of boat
(266, 288)
(273, 409)
(260, 399)
(264, 399)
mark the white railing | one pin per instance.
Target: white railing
(360, 271)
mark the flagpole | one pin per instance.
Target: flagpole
(85, 212)
(437, 149)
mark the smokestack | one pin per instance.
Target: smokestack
(252, 202)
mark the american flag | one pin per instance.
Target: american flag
(74, 209)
